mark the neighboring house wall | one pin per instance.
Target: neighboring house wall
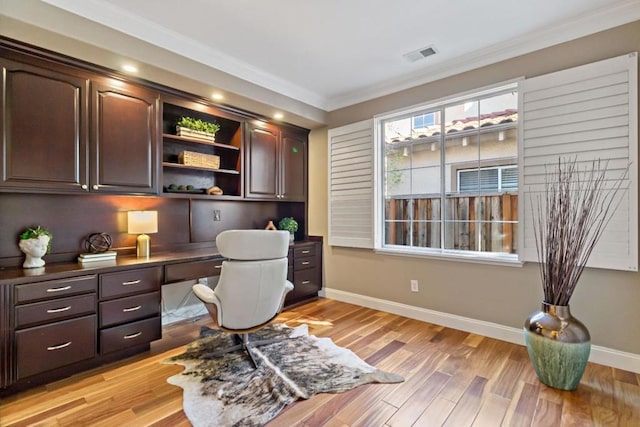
(606, 301)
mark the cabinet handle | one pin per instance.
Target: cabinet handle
(218, 267)
(58, 347)
(131, 282)
(62, 288)
(84, 186)
(59, 310)
(136, 335)
(305, 282)
(306, 251)
(95, 186)
(126, 310)
(306, 262)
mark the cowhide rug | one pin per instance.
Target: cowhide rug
(227, 391)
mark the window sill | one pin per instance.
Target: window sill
(460, 256)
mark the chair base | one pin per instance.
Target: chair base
(242, 343)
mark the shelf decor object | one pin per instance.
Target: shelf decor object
(189, 127)
(35, 243)
(202, 160)
(142, 223)
(289, 224)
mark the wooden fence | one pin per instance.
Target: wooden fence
(485, 223)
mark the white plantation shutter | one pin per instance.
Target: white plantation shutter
(351, 210)
(588, 112)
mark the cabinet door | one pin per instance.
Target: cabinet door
(262, 157)
(43, 126)
(293, 167)
(123, 138)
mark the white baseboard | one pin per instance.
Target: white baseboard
(602, 355)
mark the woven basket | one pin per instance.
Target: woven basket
(195, 134)
(190, 158)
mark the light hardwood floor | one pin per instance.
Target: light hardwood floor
(452, 378)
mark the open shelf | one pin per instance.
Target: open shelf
(228, 147)
(199, 141)
(181, 166)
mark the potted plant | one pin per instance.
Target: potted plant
(35, 243)
(289, 224)
(196, 128)
(569, 217)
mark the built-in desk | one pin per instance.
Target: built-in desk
(67, 317)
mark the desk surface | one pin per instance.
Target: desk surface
(52, 271)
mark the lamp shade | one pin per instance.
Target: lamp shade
(142, 222)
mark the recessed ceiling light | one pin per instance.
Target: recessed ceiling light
(130, 68)
(278, 116)
(217, 96)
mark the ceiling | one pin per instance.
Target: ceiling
(334, 53)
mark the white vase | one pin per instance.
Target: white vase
(34, 249)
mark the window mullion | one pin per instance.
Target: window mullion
(443, 196)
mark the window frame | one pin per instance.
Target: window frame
(380, 247)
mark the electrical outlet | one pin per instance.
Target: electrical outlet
(216, 214)
(414, 286)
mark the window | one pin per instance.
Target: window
(493, 179)
(406, 184)
(450, 176)
(423, 121)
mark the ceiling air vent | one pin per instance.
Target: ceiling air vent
(420, 53)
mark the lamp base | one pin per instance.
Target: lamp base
(143, 245)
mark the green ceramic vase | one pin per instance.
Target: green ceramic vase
(558, 346)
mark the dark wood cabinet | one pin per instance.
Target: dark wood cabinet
(123, 138)
(55, 324)
(68, 131)
(276, 163)
(293, 166)
(43, 126)
(129, 311)
(305, 271)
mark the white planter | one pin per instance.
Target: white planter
(34, 249)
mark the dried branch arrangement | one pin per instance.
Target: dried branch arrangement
(570, 217)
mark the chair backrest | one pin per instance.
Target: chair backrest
(252, 282)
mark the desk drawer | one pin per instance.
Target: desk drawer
(47, 347)
(54, 310)
(192, 270)
(130, 282)
(305, 262)
(55, 288)
(130, 335)
(126, 309)
(304, 251)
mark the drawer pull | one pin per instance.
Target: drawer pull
(126, 310)
(59, 310)
(136, 335)
(62, 288)
(218, 267)
(305, 282)
(131, 282)
(306, 262)
(58, 347)
(306, 251)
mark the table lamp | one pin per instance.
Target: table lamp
(141, 223)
